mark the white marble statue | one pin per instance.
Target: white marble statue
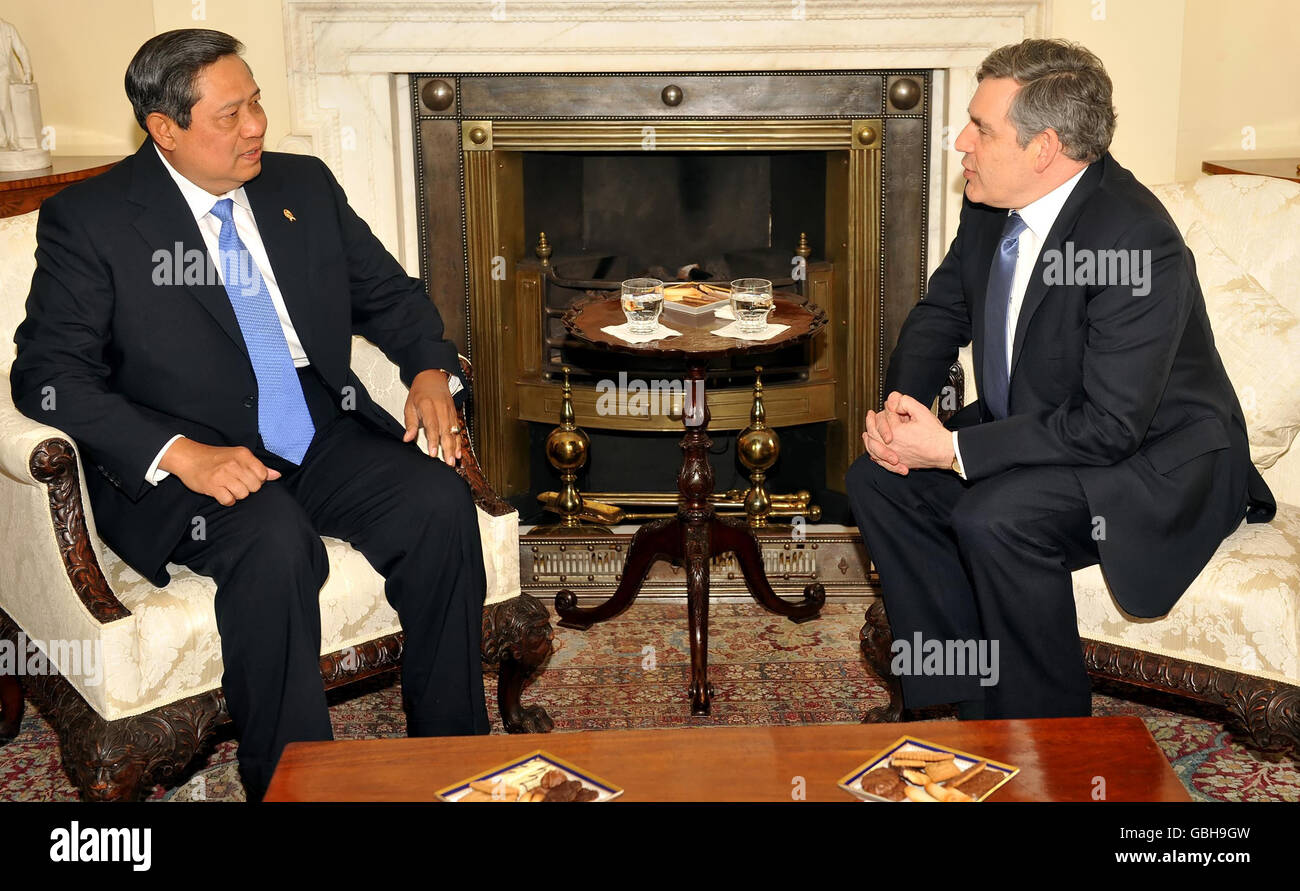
(20, 109)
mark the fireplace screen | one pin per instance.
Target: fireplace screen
(537, 190)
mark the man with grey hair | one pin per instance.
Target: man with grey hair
(1106, 429)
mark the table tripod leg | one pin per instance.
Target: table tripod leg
(734, 535)
(660, 540)
(697, 599)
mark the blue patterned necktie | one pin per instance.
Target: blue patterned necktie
(282, 415)
(995, 376)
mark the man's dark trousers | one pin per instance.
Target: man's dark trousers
(412, 517)
(985, 560)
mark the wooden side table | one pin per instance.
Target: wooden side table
(696, 534)
(1282, 168)
(24, 190)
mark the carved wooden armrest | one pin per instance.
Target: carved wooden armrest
(957, 383)
(468, 466)
(54, 463)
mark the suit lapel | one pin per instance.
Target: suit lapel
(1037, 288)
(165, 219)
(986, 246)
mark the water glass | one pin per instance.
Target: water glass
(643, 301)
(751, 302)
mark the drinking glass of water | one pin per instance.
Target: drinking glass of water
(751, 301)
(643, 301)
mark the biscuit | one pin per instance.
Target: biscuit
(966, 774)
(912, 753)
(907, 762)
(915, 776)
(882, 781)
(979, 785)
(941, 770)
(916, 793)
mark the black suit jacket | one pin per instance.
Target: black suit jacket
(1126, 389)
(135, 354)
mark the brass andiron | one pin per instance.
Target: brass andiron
(804, 249)
(566, 449)
(543, 249)
(758, 447)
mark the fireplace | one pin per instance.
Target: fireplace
(814, 179)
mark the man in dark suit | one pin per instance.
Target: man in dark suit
(190, 325)
(1106, 430)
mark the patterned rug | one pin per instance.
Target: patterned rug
(633, 671)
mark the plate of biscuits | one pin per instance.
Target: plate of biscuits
(537, 776)
(695, 299)
(915, 770)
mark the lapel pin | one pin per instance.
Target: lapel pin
(288, 215)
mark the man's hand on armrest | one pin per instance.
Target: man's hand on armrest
(228, 474)
(429, 405)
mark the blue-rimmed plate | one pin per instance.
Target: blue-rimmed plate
(852, 782)
(524, 774)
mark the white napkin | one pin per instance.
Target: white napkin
(624, 332)
(733, 330)
(724, 312)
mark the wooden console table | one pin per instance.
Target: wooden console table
(22, 191)
(1283, 168)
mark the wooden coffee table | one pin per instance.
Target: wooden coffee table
(1058, 758)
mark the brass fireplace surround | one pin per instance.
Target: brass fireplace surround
(471, 135)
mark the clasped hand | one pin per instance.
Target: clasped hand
(906, 436)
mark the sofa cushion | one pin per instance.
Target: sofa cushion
(1259, 341)
(1241, 613)
(1253, 218)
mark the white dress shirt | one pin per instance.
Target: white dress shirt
(1039, 216)
(201, 202)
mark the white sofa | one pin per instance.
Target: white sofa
(134, 697)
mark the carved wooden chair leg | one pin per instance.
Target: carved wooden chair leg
(875, 639)
(1270, 715)
(517, 637)
(121, 760)
(11, 707)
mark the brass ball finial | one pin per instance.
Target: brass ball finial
(543, 252)
(566, 450)
(437, 95)
(804, 249)
(758, 448)
(904, 93)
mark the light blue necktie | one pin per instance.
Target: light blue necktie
(995, 383)
(282, 415)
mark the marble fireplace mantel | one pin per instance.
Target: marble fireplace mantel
(349, 99)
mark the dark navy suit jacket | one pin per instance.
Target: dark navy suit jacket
(136, 355)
